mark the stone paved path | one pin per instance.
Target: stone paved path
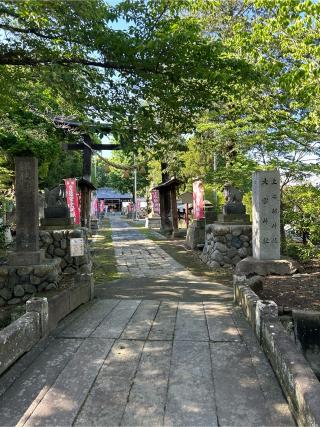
(138, 256)
(148, 362)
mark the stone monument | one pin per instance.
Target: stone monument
(233, 210)
(266, 257)
(27, 213)
(56, 212)
(228, 240)
(27, 271)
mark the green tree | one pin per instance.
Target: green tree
(301, 210)
(122, 178)
(162, 69)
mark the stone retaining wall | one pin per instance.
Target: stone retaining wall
(42, 316)
(56, 244)
(18, 283)
(226, 244)
(299, 384)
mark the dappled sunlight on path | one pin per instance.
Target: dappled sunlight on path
(160, 347)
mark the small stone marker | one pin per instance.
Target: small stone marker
(77, 247)
(266, 215)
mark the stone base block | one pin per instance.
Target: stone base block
(166, 231)
(26, 258)
(251, 267)
(94, 224)
(226, 244)
(57, 212)
(154, 222)
(179, 233)
(234, 219)
(57, 222)
(195, 234)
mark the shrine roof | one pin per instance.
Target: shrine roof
(110, 193)
(85, 183)
(172, 182)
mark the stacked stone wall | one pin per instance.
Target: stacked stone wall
(56, 244)
(226, 244)
(18, 283)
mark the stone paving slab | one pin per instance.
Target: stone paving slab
(191, 322)
(221, 326)
(168, 371)
(24, 395)
(113, 325)
(142, 359)
(140, 324)
(108, 397)
(190, 400)
(147, 399)
(64, 399)
(164, 323)
(83, 327)
(239, 399)
(138, 256)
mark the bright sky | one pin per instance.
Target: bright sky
(121, 24)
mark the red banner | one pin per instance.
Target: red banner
(94, 206)
(155, 201)
(101, 206)
(198, 200)
(72, 199)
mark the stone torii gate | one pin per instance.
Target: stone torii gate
(87, 147)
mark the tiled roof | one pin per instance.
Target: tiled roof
(110, 193)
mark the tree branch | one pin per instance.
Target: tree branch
(14, 59)
(33, 31)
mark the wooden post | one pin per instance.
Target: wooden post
(174, 212)
(166, 225)
(187, 215)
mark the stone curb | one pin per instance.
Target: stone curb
(41, 317)
(18, 338)
(299, 384)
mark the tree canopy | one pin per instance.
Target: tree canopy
(182, 81)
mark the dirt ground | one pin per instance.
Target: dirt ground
(300, 291)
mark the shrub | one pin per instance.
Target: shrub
(302, 252)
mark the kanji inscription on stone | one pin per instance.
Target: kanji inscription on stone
(77, 247)
(266, 215)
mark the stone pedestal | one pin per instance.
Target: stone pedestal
(196, 234)
(226, 244)
(252, 267)
(57, 222)
(26, 258)
(153, 222)
(210, 215)
(234, 219)
(56, 244)
(94, 224)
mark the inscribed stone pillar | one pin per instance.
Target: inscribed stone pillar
(27, 212)
(266, 215)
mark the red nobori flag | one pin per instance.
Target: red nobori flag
(72, 199)
(155, 201)
(198, 200)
